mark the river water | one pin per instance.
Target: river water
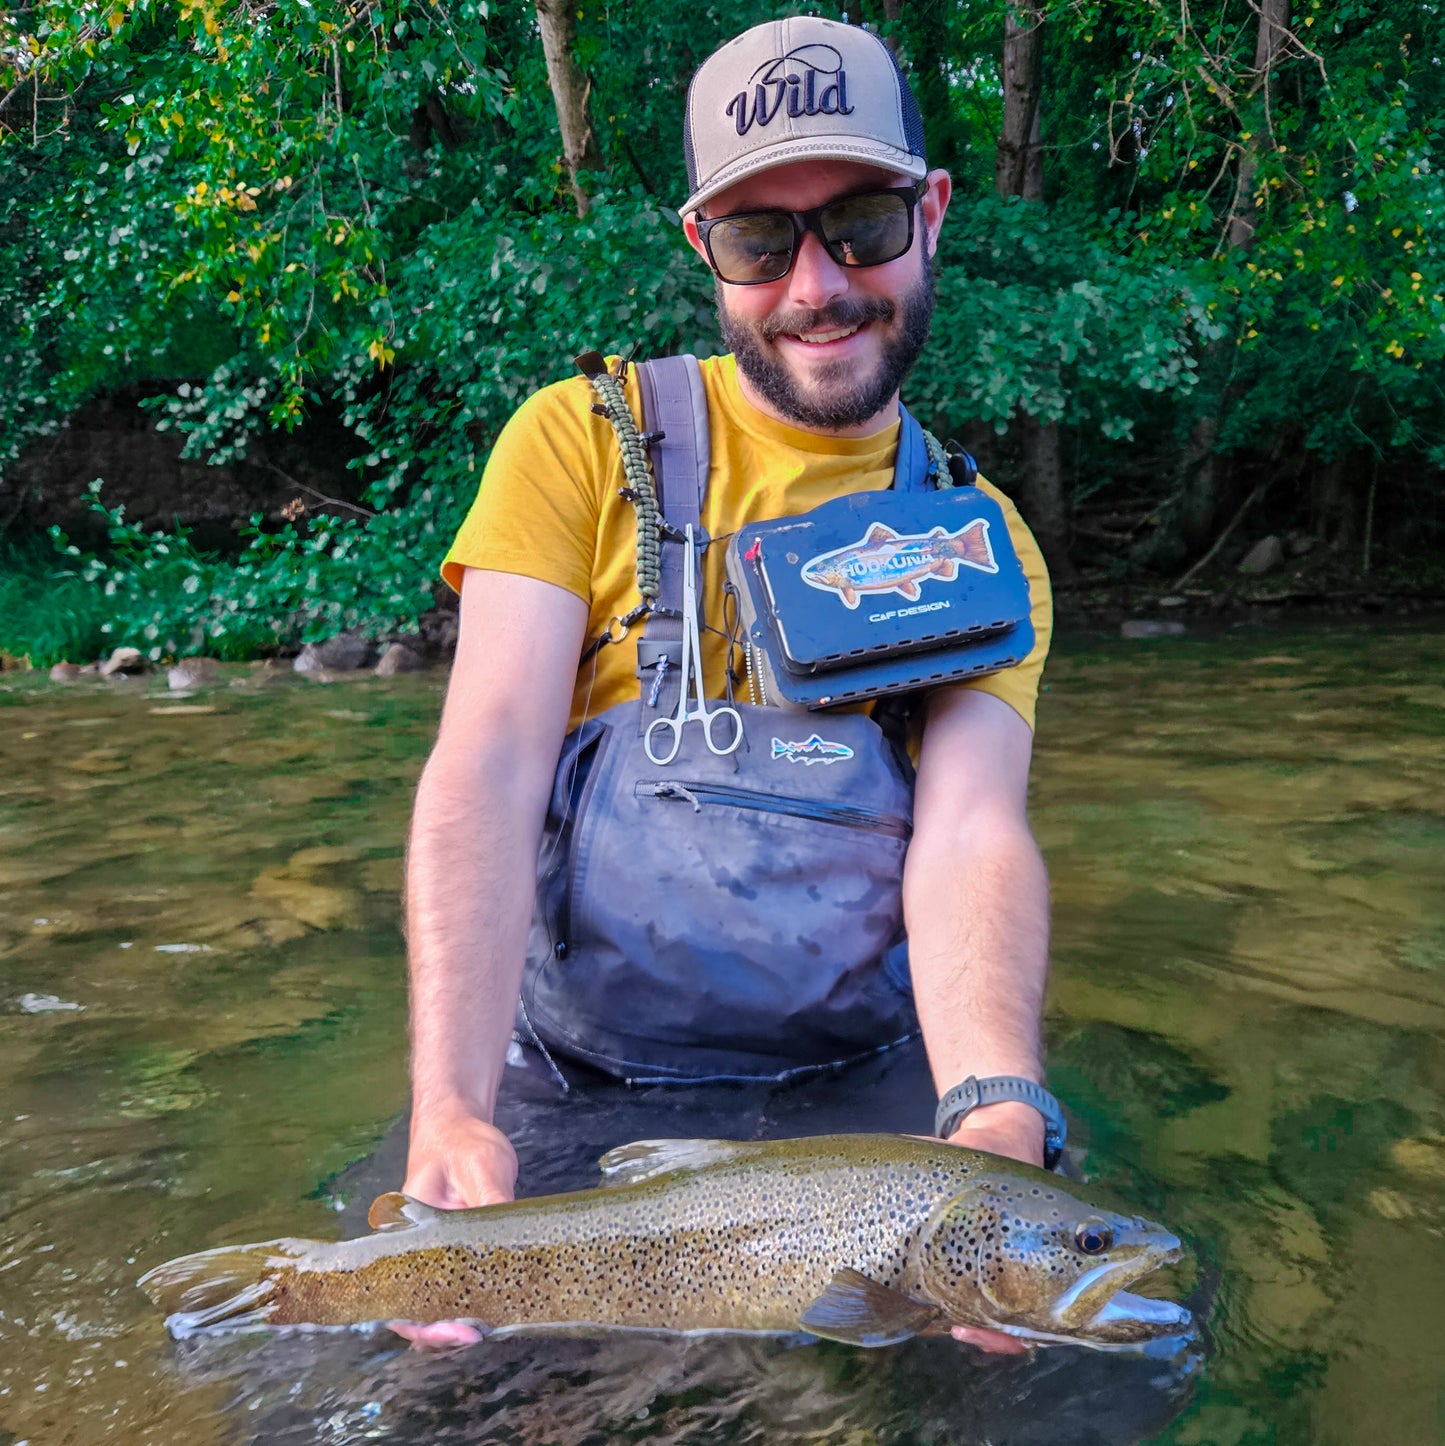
(202, 1021)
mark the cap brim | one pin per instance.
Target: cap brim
(809, 148)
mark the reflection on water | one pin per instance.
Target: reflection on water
(1246, 1024)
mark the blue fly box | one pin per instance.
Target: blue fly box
(880, 592)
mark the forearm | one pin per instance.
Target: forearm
(470, 880)
(976, 904)
(978, 942)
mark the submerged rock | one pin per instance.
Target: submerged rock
(344, 653)
(398, 658)
(123, 660)
(1151, 628)
(193, 672)
(65, 672)
(439, 629)
(1423, 1158)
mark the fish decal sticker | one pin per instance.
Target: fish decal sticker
(811, 750)
(889, 561)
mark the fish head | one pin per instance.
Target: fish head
(1024, 1255)
(827, 573)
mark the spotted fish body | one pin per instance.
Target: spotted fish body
(862, 1237)
(889, 561)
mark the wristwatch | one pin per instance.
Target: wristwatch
(964, 1098)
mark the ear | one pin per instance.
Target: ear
(689, 229)
(935, 205)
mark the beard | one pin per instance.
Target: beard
(839, 397)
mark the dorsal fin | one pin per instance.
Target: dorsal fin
(879, 532)
(395, 1211)
(647, 1159)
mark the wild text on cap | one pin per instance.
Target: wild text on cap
(806, 93)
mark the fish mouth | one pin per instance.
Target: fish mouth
(1141, 1316)
(1099, 1309)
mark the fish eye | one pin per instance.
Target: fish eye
(1093, 1237)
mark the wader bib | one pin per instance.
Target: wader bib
(722, 915)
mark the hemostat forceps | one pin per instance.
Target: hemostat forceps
(690, 675)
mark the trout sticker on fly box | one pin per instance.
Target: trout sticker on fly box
(880, 592)
(887, 561)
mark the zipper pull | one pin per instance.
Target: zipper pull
(677, 790)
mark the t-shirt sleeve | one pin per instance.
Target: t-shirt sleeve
(1019, 686)
(537, 508)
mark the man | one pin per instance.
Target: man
(791, 117)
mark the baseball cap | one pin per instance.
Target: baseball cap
(798, 89)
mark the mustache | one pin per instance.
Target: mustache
(845, 311)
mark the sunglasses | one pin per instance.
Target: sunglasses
(749, 248)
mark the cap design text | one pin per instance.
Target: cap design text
(809, 79)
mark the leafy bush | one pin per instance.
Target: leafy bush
(48, 613)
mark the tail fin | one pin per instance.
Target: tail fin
(972, 547)
(235, 1284)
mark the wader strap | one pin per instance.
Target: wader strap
(675, 404)
(922, 463)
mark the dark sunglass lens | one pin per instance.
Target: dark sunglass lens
(757, 247)
(868, 230)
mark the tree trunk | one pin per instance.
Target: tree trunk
(558, 22)
(1019, 171)
(1268, 47)
(1187, 523)
(1336, 505)
(1018, 160)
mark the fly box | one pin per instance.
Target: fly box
(877, 593)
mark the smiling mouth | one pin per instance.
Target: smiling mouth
(820, 338)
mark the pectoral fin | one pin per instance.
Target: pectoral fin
(861, 1312)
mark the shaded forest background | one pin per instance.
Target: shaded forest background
(276, 273)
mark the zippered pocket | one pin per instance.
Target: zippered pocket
(700, 795)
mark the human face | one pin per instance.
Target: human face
(827, 346)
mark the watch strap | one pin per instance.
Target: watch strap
(973, 1093)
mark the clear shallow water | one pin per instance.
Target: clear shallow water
(1247, 1023)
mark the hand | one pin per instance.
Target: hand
(458, 1162)
(1016, 1131)
(455, 1162)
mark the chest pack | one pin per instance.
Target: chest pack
(720, 897)
(879, 593)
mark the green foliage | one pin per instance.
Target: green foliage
(48, 613)
(1040, 314)
(167, 598)
(255, 209)
(1331, 296)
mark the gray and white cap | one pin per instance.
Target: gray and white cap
(795, 90)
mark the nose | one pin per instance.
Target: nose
(816, 279)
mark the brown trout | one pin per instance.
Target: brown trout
(867, 1239)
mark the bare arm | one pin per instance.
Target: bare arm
(976, 902)
(471, 867)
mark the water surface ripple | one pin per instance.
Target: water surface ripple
(202, 1040)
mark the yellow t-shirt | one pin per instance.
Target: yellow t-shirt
(548, 508)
